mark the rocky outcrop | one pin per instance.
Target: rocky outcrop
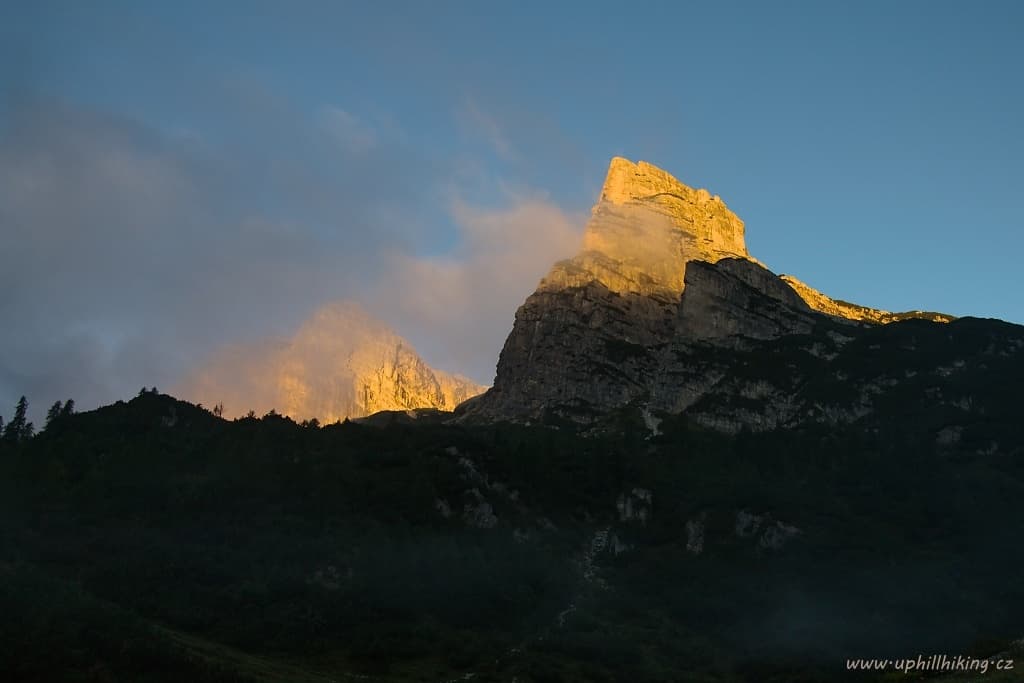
(634, 506)
(695, 530)
(341, 363)
(737, 298)
(584, 351)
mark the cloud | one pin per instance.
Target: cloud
(477, 121)
(342, 362)
(129, 252)
(457, 307)
(460, 307)
(347, 130)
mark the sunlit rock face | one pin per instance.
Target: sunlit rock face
(340, 364)
(663, 274)
(644, 229)
(706, 226)
(843, 309)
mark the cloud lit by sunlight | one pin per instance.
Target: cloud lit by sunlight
(461, 306)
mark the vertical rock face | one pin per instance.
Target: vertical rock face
(706, 223)
(644, 229)
(663, 270)
(340, 363)
(739, 298)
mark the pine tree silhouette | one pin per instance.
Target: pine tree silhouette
(19, 428)
(53, 413)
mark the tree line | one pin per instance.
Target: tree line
(20, 429)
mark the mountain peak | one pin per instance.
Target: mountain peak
(645, 199)
(341, 362)
(627, 181)
(663, 274)
(644, 229)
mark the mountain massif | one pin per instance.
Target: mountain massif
(664, 307)
(341, 363)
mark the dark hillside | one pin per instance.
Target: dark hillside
(150, 540)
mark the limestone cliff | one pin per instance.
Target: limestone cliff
(663, 278)
(644, 229)
(340, 363)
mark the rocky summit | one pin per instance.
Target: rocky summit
(662, 288)
(644, 229)
(341, 363)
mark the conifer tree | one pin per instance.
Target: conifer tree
(19, 428)
(53, 413)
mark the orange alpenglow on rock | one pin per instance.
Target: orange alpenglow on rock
(644, 229)
(843, 309)
(715, 231)
(647, 225)
(341, 363)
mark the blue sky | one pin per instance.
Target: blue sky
(874, 150)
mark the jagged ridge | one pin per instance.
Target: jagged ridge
(844, 309)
